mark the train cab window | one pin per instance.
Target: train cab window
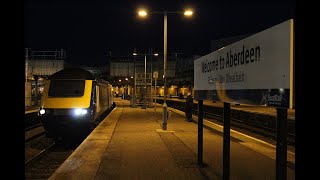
(66, 88)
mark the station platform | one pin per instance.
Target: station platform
(130, 144)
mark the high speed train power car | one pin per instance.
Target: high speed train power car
(73, 100)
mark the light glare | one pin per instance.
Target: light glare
(77, 111)
(42, 111)
(188, 13)
(80, 111)
(84, 111)
(281, 90)
(142, 13)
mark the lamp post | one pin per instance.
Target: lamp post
(143, 13)
(165, 107)
(155, 93)
(134, 81)
(145, 81)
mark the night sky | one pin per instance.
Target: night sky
(89, 28)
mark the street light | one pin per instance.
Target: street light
(188, 12)
(143, 13)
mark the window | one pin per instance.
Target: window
(66, 88)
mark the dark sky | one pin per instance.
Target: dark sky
(89, 28)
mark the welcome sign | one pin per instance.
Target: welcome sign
(257, 70)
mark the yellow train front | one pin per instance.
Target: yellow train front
(73, 100)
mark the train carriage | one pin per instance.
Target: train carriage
(73, 100)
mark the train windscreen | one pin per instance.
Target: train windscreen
(66, 88)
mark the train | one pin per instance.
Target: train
(74, 100)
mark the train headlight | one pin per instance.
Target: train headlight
(42, 111)
(84, 111)
(80, 112)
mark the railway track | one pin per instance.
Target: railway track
(31, 119)
(29, 128)
(242, 122)
(45, 163)
(39, 155)
(242, 125)
(34, 132)
(44, 155)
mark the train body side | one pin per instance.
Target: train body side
(104, 98)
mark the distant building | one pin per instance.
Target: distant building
(40, 63)
(43, 68)
(97, 70)
(122, 67)
(184, 71)
(101, 69)
(43, 63)
(131, 73)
